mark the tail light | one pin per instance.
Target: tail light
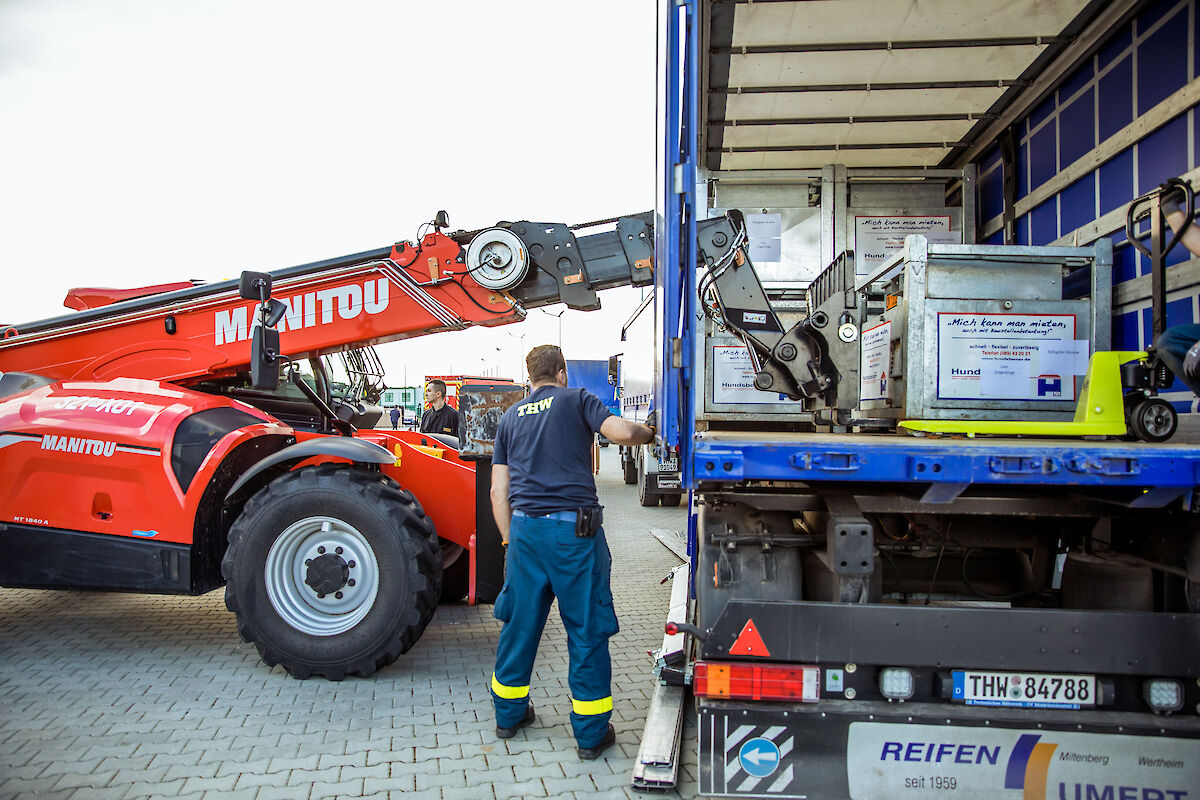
(756, 682)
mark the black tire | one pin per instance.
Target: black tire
(671, 500)
(647, 497)
(456, 571)
(1153, 420)
(376, 521)
(628, 469)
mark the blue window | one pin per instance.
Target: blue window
(1155, 10)
(1115, 98)
(1115, 47)
(1179, 312)
(1076, 81)
(1022, 172)
(1162, 62)
(1125, 262)
(1116, 182)
(1125, 332)
(1077, 204)
(991, 194)
(1078, 126)
(1043, 110)
(1043, 223)
(1162, 154)
(1043, 160)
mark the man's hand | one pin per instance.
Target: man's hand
(1171, 196)
(1191, 362)
(625, 431)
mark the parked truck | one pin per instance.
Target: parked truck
(593, 376)
(652, 467)
(938, 211)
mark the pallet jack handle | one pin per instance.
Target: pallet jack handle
(1150, 205)
(1145, 205)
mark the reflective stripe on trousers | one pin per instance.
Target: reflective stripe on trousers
(508, 692)
(547, 560)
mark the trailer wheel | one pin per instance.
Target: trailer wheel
(647, 497)
(628, 468)
(1153, 420)
(332, 571)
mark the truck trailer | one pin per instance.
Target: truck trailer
(920, 562)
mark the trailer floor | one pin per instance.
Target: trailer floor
(128, 696)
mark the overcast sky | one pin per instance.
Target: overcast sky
(143, 142)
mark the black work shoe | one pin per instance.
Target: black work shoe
(592, 753)
(508, 733)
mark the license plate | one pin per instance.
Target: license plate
(668, 465)
(1024, 689)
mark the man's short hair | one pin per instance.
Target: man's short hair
(439, 387)
(544, 362)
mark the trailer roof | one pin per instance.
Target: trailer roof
(889, 83)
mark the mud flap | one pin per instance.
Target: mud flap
(868, 751)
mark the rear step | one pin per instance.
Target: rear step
(657, 764)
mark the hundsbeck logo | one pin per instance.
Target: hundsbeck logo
(306, 310)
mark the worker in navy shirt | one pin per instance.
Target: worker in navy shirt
(545, 504)
(441, 417)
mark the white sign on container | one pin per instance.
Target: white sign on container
(1007, 356)
(733, 377)
(875, 363)
(878, 238)
(765, 232)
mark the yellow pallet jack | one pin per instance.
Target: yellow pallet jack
(1103, 410)
(1120, 393)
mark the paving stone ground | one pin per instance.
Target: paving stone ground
(108, 696)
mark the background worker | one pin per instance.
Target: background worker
(545, 504)
(1179, 346)
(440, 417)
(395, 416)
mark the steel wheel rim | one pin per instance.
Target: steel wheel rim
(297, 603)
(1156, 419)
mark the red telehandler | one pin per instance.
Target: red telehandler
(177, 437)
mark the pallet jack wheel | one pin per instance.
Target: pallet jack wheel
(1153, 420)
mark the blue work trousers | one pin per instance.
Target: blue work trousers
(547, 560)
(1172, 346)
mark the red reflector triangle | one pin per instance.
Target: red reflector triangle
(749, 643)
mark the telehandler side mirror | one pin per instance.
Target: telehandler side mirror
(613, 367)
(264, 339)
(264, 359)
(255, 286)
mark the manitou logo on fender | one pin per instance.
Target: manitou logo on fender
(306, 310)
(77, 444)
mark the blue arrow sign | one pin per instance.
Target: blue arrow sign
(759, 757)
